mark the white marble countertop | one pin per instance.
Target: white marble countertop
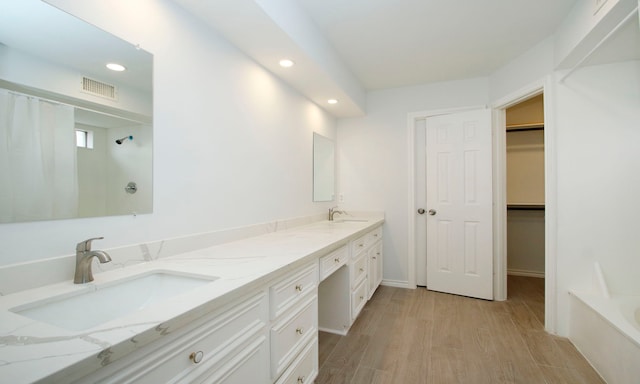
(31, 350)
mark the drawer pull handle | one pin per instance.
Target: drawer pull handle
(300, 379)
(196, 357)
(373, 257)
(378, 253)
(361, 298)
(299, 331)
(375, 235)
(361, 269)
(336, 260)
(360, 245)
(299, 287)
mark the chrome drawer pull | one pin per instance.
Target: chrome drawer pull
(299, 331)
(361, 269)
(336, 260)
(301, 379)
(299, 287)
(196, 357)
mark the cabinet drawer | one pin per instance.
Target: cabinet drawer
(358, 245)
(214, 338)
(358, 270)
(305, 369)
(358, 299)
(292, 333)
(291, 289)
(374, 236)
(331, 262)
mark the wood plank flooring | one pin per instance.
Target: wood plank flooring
(418, 336)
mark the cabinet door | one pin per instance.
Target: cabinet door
(375, 267)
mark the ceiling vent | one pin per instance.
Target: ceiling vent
(98, 88)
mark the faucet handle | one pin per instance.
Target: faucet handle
(86, 245)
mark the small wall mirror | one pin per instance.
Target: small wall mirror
(323, 168)
(73, 133)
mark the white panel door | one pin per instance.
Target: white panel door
(459, 204)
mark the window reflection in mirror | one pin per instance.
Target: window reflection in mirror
(59, 93)
(323, 168)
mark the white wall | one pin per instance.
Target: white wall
(232, 143)
(373, 160)
(598, 110)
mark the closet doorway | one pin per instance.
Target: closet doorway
(525, 185)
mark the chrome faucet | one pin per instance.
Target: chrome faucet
(84, 256)
(332, 212)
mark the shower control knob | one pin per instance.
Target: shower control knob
(421, 211)
(432, 212)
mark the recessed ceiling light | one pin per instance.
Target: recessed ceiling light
(332, 101)
(116, 67)
(286, 63)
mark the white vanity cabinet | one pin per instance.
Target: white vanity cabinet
(267, 336)
(294, 326)
(365, 269)
(230, 346)
(374, 254)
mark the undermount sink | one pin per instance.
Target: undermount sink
(351, 220)
(102, 303)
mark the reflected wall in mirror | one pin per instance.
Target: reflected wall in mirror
(61, 114)
(323, 168)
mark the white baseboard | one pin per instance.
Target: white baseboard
(395, 283)
(522, 272)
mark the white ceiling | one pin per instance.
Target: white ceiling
(392, 43)
(345, 48)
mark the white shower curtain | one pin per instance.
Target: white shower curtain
(38, 166)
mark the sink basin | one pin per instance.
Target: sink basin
(351, 220)
(99, 304)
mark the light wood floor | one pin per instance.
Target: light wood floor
(418, 336)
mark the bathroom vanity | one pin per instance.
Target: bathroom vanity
(246, 311)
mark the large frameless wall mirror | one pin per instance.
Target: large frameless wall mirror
(323, 168)
(75, 136)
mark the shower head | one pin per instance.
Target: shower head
(120, 141)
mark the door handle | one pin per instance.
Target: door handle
(432, 212)
(421, 211)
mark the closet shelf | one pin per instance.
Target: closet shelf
(525, 127)
(525, 207)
